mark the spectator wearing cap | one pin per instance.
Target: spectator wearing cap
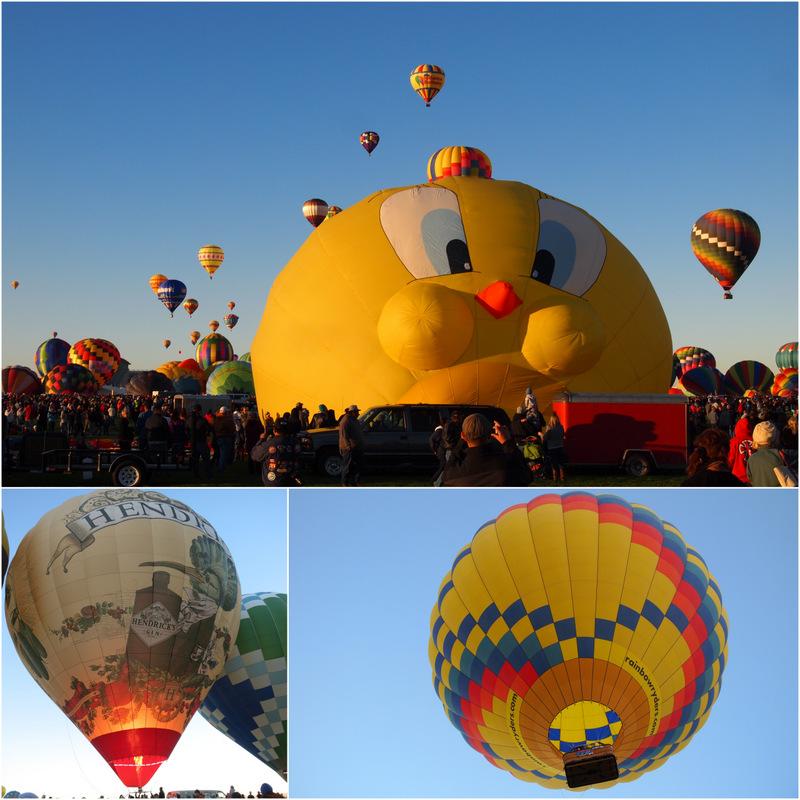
(491, 459)
(767, 455)
(351, 447)
(320, 419)
(224, 434)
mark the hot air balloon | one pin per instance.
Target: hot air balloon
(230, 320)
(369, 141)
(123, 606)
(156, 281)
(748, 375)
(231, 377)
(211, 257)
(149, 381)
(465, 162)
(231, 305)
(248, 701)
(426, 81)
(332, 211)
(211, 349)
(213, 325)
(190, 304)
(314, 210)
(100, 357)
(167, 342)
(21, 380)
(194, 336)
(50, 354)
(725, 241)
(572, 622)
(786, 357)
(171, 294)
(785, 383)
(691, 357)
(69, 379)
(14, 284)
(701, 382)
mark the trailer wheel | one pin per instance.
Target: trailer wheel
(638, 466)
(128, 472)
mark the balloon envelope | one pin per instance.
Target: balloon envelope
(748, 375)
(211, 257)
(100, 357)
(212, 348)
(314, 210)
(369, 141)
(190, 304)
(171, 294)
(147, 381)
(21, 380)
(577, 619)
(725, 242)
(14, 284)
(786, 357)
(427, 80)
(231, 377)
(467, 162)
(69, 379)
(123, 606)
(230, 320)
(248, 702)
(156, 281)
(702, 381)
(691, 357)
(52, 353)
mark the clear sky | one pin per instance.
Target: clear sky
(365, 571)
(135, 133)
(44, 753)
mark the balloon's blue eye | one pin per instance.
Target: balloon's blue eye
(425, 229)
(571, 248)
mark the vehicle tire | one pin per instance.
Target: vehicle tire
(127, 473)
(638, 466)
(330, 463)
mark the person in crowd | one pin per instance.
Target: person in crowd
(438, 448)
(553, 440)
(741, 445)
(708, 463)
(224, 433)
(157, 431)
(320, 419)
(520, 429)
(491, 458)
(125, 430)
(252, 431)
(351, 447)
(177, 432)
(789, 434)
(197, 433)
(767, 455)
(279, 456)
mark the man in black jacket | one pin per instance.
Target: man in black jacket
(491, 458)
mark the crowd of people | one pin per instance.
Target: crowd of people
(735, 441)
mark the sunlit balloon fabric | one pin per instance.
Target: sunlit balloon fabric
(369, 141)
(691, 357)
(212, 348)
(567, 608)
(786, 357)
(725, 242)
(315, 211)
(248, 702)
(50, 354)
(211, 258)
(427, 80)
(99, 356)
(124, 605)
(156, 281)
(748, 374)
(231, 377)
(18, 379)
(69, 379)
(465, 162)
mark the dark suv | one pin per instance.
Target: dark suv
(394, 436)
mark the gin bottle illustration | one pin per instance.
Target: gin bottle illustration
(154, 623)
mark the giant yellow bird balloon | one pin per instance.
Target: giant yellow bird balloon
(123, 605)
(464, 290)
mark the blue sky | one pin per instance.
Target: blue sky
(365, 571)
(135, 133)
(44, 753)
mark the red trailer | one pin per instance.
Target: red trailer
(639, 432)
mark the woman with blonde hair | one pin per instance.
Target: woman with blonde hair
(553, 439)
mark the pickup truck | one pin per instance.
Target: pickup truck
(637, 432)
(394, 436)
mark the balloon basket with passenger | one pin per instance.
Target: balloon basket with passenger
(586, 765)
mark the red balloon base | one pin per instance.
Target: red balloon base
(135, 755)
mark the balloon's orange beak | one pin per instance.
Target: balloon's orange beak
(499, 299)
